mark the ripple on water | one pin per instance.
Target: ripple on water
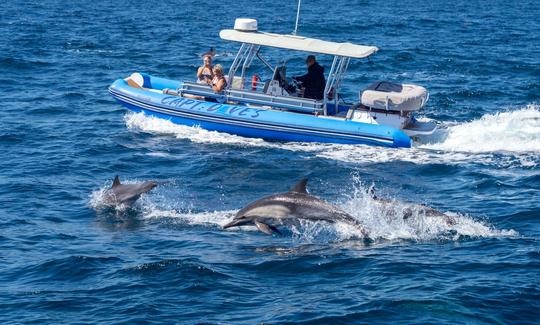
(66, 259)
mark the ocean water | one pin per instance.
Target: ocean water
(67, 258)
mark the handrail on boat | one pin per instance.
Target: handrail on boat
(298, 104)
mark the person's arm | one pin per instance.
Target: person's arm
(220, 85)
(303, 78)
(199, 73)
(309, 76)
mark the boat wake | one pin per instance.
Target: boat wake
(507, 139)
(150, 124)
(514, 131)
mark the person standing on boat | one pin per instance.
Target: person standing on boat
(204, 73)
(313, 81)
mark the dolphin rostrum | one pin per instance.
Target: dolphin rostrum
(126, 194)
(287, 208)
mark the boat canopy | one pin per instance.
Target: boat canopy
(299, 43)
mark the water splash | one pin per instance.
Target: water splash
(384, 220)
(214, 218)
(513, 131)
(509, 139)
(391, 219)
(99, 202)
(97, 199)
(142, 122)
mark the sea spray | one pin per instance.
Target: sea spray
(515, 131)
(507, 140)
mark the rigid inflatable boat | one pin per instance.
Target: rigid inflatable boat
(274, 109)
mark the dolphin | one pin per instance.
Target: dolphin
(126, 194)
(287, 208)
(411, 208)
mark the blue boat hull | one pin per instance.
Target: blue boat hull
(251, 121)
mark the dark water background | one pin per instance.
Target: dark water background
(66, 258)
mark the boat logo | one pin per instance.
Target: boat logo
(193, 104)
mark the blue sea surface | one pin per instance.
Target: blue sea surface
(67, 258)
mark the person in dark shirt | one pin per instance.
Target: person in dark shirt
(313, 81)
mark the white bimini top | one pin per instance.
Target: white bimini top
(299, 43)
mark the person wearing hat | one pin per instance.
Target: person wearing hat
(313, 81)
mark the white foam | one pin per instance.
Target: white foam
(219, 218)
(513, 131)
(383, 220)
(150, 124)
(97, 198)
(505, 139)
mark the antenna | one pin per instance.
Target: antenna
(297, 17)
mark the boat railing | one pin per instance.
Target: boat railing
(297, 104)
(193, 88)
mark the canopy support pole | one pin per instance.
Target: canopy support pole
(339, 78)
(247, 62)
(263, 60)
(242, 52)
(329, 83)
(297, 17)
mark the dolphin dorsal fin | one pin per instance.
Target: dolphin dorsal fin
(300, 187)
(116, 181)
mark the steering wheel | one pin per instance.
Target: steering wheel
(294, 86)
(296, 83)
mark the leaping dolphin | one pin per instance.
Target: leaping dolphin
(287, 208)
(126, 194)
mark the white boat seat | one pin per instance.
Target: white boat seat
(394, 97)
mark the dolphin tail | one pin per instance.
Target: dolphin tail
(266, 228)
